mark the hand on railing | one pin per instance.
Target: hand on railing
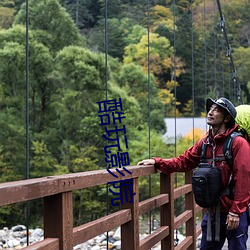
(146, 162)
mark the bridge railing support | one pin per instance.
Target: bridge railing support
(190, 205)
(59, 233)
(130, 230)
(58, 219)
(167, 210)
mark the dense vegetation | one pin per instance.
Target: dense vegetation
(74, 63)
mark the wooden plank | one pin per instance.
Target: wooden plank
(46, 244)
(130, 230)
(58, 214)
(24, 190)
(152, 203)
(98, 177)
(90, 230)
(190, 205)
(185, 244)
(178, 192)
(198, 231)
(167, 210)
(182, 218)
(58, 219)
(198, 228)
(154, 238)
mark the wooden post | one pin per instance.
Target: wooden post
(190, 205)
(130, 230)
(58, 219)
(167, 210)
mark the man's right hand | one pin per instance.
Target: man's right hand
(146, 162)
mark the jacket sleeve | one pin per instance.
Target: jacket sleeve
(241, 175)
(183, 163)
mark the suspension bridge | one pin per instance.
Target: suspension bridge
(57, 191)
(59, 233)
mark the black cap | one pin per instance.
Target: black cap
(223, 103)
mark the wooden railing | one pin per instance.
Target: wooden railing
(59, 232)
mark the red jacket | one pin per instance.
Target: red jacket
(241, 167)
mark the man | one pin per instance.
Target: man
(221, 115)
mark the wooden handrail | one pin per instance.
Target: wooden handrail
(58, 209)
(91, 229)
(24, 190)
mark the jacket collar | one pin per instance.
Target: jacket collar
(221, 136)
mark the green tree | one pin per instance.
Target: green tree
(139, 149)
(13, 60)
(242, 64)
(12, 108)
(117, 31)
(78, 72)
(6, 17)
(84, 13)
(161, 57)
(53, 25)
(136, 82)
(161, 16)
(42, 162)
(13, 148)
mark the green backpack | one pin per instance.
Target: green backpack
(243, 120)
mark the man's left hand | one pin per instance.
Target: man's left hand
(232, 222)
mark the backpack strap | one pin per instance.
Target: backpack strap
(203, 152)
(227, 148)
(227, 151)
(203, 155)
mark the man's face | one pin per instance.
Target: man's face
(215, 116)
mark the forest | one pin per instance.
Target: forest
(162, 58)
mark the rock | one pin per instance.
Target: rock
(13, 243)
(3, 233)
(111, 240)
(103, 243)
(81, 246)
(91, 242)
(117, 244)
(100, 238)
(117, 235)
(95, 248)
(16, 238)
(18, 228)
(18, 247)
(23, 240)
(111, 233)
(38, 232)
(18, 234)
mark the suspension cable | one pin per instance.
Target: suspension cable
(221, 68)
(229, 53)
(192, 76)
(175, 95)
(215, 51)
(149, 121)
(205, 50)
(106, 93)
(27, 208)
(174, 75)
